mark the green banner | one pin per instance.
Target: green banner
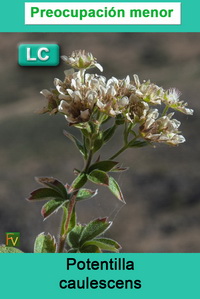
(13, 19)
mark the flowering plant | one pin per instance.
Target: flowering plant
(97, 107)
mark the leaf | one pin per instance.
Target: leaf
(104, 244)
(73, 237)
(51, 207)
(99, 177)
(94, 229)
(72, 250)
(44, 194)
(98, 142)
(98, 159)
(120, 120)
(45, 244)
(137, 143)
(53, 184)
(103, 165)
(64, 219)
(6, 249)
(106, 119)
(107, 134)
(76, 171)
(79, 181)
(115, 189)
(86, 133)
(119, 169)
(77, 142)
(90, 249)
(85, 194)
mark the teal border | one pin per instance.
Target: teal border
(163, 276)
(12, 20)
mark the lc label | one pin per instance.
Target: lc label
(38, 54)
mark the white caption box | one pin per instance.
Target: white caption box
(145, 13)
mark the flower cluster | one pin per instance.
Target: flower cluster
(82, 96)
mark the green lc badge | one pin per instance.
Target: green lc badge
(38, 54)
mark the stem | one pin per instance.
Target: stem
(63, 236)
(131, 127)
(88, 161)
(119, 152)
(124, 147)
(71, 207)
(125, 133)
(165, 110)
(72, 202)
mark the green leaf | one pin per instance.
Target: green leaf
(90, 249)
(5, 249)
(98, 159)
(104, 244)
(120, 120)
(106, 119)
(51, 207)
(103, 165)
(76, 171)
(45, 244)
(77, 142)
(119, 169)
(85, 194)
(53, 184)
(137, 143)
(79, 181)
(107, 134)
(64, 219)
(44, 194)
(94, 229)
(99, 177)
(98, 142)
(115, 189)
(72, 250)
(78, 126)
(86, 132)
(73, 237)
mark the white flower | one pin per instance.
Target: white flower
(53, 101)
(137, 109)
(74, 113)
(148, 92)
(80, 95)
(171, 99)
(85, 115)
(113, 96)
(153, 114)
(63, 107)
(82, 60)
(123, 102)
(46, 93)
(60, 86)
(162, 130)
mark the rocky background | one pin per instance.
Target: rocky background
(162, 186)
